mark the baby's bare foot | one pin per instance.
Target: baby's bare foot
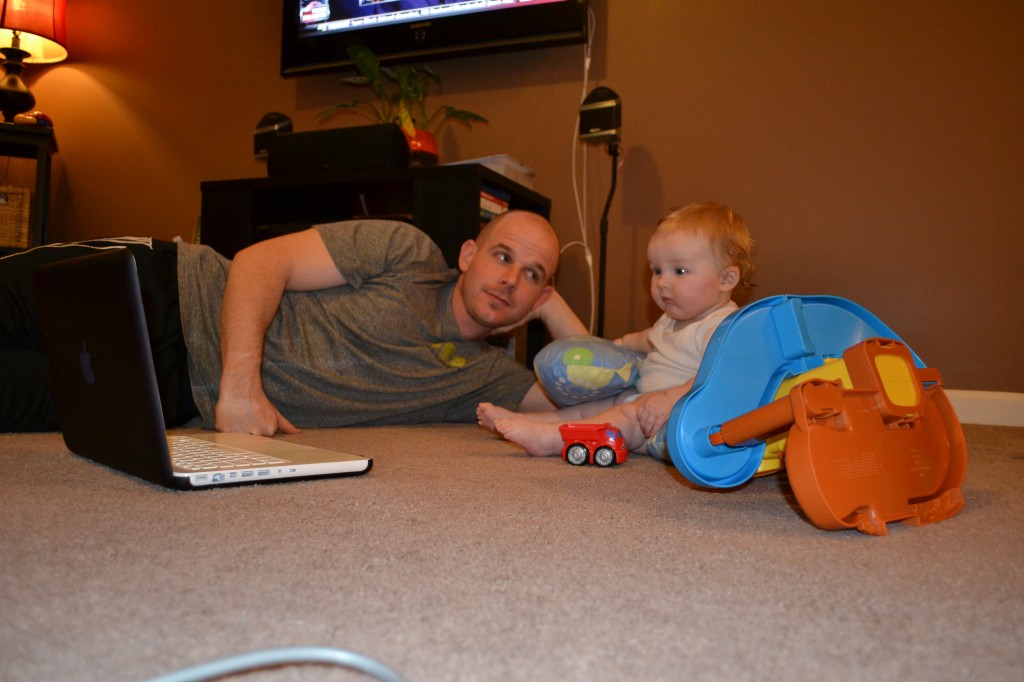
(487, 413)
(540, 439)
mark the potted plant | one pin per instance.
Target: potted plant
(401, 98)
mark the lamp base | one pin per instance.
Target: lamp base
(15, 97)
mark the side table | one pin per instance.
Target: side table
(39, 143)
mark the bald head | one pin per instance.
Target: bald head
(530, 230)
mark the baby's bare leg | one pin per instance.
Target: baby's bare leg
(543, 439)
(624, 417)
(487, 413)
(540, 439)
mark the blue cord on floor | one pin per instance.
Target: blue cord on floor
(277, 657)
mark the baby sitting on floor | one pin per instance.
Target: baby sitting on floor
(699, 255)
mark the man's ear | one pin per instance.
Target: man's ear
(730, 278)
(466, 253)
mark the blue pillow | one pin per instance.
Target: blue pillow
(582, 368)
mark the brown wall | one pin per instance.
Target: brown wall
(875, 148)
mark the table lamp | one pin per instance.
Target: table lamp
(32, 31)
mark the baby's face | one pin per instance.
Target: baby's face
(687, 282)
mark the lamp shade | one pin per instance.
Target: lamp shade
(40, 24)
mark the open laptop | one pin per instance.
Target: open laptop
(106, 395)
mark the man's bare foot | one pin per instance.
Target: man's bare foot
(540, 439)
(487, 413)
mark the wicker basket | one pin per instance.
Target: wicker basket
(14, 209)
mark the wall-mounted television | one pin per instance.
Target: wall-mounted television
(317, 33)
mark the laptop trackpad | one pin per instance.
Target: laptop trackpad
(264, 446)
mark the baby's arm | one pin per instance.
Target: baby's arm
(636, 341)
(653, 409)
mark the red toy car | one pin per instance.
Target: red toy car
(600, 444)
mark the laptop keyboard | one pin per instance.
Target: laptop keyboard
(194, 454)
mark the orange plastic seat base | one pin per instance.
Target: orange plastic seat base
(889, 448)
(856, 460)
(849, 469)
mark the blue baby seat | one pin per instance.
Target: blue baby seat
(752, 352)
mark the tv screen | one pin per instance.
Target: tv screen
(316, 33)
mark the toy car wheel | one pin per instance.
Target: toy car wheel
(576, 454)
(604, 456)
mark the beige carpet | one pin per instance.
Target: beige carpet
(459, 558)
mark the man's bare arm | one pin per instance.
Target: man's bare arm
(257, 280)
(559, 318)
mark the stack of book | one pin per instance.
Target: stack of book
(493, 203)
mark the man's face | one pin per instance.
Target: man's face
(506, 272)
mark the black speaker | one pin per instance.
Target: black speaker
(269, 126)
(601, 116)
(338, 149)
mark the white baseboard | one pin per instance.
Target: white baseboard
(988, 407)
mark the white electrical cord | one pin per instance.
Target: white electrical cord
(269, 658)
(581, 201)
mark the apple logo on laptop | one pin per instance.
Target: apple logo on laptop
(85, 358)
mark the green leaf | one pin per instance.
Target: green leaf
(401, 94)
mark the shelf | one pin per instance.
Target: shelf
(443, 201)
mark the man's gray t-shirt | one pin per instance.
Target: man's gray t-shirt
(382, 349)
